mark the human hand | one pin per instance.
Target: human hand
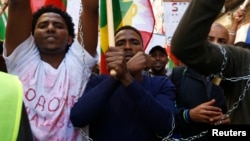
(205, 112)
(238, 15)
(115, 60)
(140, 61)
(223, 119)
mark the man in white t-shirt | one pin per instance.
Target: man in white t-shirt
(53, 67)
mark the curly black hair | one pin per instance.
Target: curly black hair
(50, 8)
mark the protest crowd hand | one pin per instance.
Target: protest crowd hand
(115, 60)
(222, 119)
(140, 61)
(238, 15)
(205, 112)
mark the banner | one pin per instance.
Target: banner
(137, 13)
(173, 12)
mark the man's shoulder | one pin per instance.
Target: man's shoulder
(179, 68)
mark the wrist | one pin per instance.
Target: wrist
(127, 79)
(232, 33)
(186, 115)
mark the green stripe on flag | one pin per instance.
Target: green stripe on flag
(64, 2)
(3, 22)
(120, 9)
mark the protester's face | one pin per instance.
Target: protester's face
(130, 41)
(218, 34)
(51, 33)
(160, 59)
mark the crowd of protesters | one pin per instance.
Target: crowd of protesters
(65, 97)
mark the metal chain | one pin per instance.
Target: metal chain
(203, 133)
(233, 79)
(85, 135)
(235, 105)
(191, 138)
(167, 138)
(172, 130)
(85, 71)
(241, 97)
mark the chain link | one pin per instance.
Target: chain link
(167, 138)
(172, 130)
(241, 97)
(224, 62)
(235, 105)
(233, 79)
(191, 138)
(84, 134)
(85, 70)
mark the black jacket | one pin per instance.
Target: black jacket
(194, 89)
(190, 45)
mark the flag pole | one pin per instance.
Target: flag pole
(3, 7)
(243, 6)
(111, 33)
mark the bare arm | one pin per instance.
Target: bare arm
(89, 23)
(19, 23)
(237, 18)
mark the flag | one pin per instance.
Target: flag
(173, 12)
(137, 13)
(3, 22)
(173, 61)
(243, 34)
(36, 4)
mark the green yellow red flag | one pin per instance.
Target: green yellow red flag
(137, 13)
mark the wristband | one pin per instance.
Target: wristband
(232, 33)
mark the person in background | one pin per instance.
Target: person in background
(237, 17)
(128, 106)
(227, 62)
(197, 93)
(52, 65)
(197, 101)
(218, 34)
(160, 57)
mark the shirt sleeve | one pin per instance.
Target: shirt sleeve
(83, 55)
(155, 104)
(189, 42)
(25, 53)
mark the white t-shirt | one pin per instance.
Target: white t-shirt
(50, 93)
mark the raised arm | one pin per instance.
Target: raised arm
(237, 17)
(89, 23)
(18, 24)
(189, 43)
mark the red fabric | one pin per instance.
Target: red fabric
(58, 3)
(36, 4)
(172, 56)
(103, 68)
